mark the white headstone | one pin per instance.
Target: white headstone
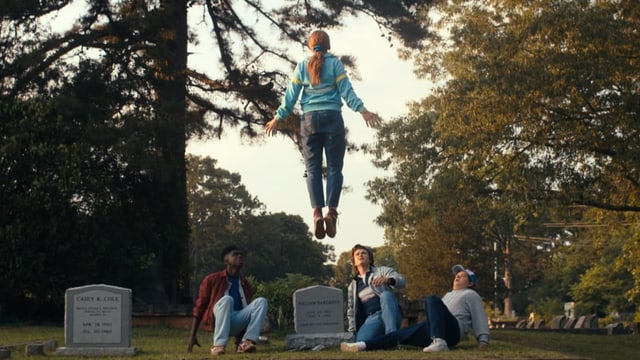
(97, 321)
(318, 309)
(318, 314)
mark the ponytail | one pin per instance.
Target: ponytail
(314, 67)
(319, 43)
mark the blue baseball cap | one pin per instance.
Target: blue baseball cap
(472, 276)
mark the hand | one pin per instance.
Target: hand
(192, 341)
(372, 120)
(271, 127)
(379, 281)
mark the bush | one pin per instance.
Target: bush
(279, 294)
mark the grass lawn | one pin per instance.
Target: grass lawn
(167, 343)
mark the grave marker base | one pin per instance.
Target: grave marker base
(96, 351)
(309, 341)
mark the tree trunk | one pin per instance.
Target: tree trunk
(508, 306)
(170, 80)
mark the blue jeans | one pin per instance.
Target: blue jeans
(439, 323)
(386, 320)
(323, 131)
(231, 323)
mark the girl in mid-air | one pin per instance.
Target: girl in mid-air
(323, 82)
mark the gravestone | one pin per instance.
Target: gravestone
(558, 322)
(590, 322)
(570, 324)
(615, 328)
(580, 322)
(318, 314)
(97, 321)
(570, 309)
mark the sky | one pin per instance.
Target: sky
(272, 170)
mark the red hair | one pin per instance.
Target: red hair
(319, 43)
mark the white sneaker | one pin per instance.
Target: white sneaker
(437, 345)
(351, 347)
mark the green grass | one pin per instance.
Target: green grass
(165, 343)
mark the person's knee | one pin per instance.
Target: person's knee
(224, 302)
(431, 300)
(261, 302)
(223, 306)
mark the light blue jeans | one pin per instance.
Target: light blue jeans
(387, 320)
(231, 323)
(323, 131)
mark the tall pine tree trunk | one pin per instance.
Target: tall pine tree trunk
(170, 176)
(508, 306)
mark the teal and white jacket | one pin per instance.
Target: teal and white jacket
(328, 95)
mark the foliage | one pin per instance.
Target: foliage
(546, 308)
(590, 269)
(606, 286)
(222, 212)
(68, 191)
(547, 87)
(342, 271)
(282, 244)
(279, 294)
(437, 215)
(218, 208)
(534, 119)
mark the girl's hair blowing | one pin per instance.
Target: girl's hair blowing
(319, 43)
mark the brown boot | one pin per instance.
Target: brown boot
(330, 222)
(318, 223)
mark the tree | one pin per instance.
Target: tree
(438, 214)
(75, 207)
(282, 244)
(540, 99)
(342, 271)
(222, 212)
(606, 286)
(544, 87)
(141, 47)
(218, 208)
(430, 212)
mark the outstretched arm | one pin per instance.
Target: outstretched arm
(192, 334)
(272, 127)
(371, 119)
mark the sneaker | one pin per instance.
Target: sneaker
(217, 350)
(246, 346)
(330, 221)
(349, 347)
(318, 223)
(437, 345)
